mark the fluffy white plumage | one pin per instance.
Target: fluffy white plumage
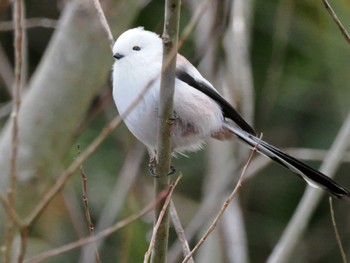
(200, 110)
(133, 72)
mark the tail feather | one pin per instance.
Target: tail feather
(313, 177)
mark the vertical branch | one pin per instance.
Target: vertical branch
(170, 39)
(18, 39)
(18, 5)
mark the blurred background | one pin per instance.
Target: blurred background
(283, 64)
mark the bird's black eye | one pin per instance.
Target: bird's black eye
(136, 48)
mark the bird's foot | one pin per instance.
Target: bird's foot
(152, 166)
(172, 170)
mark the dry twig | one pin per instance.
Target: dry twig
(102, 234)
(180, 231)
(222, 210)
(11, 192)
(337, 21)
(336, 232)
(30, 23)
(87, 210)
(104, 22)
(116, 200)
(160, 219)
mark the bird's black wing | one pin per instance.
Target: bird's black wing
(227, 109)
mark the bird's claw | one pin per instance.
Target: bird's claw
(172, 170)
(152, 166)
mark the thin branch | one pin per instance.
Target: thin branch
(30, 23)
(180, 231)
(87, 210)
(336, 232)
(104, 22)
(18, 9)
(222, 210)
(160, 219)
(112, 207)
(60, 182)
(11, 191)
(167, 85)
(337, 21)
(102, 234)
(10, 211)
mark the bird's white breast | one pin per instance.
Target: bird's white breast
(140, 85)
(198, 115)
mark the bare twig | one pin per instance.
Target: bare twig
(116, 200)
(30, 23)
(86, 201)
(336, 232)
(10, 211)
(59, 184)
(102, 234)
(222, 210)
(337, 21)
(180, 231)
(87, 210)
(18, 8)
(104, 22)
(160, 219)
(11, 192)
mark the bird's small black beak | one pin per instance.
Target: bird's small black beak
(118, 55)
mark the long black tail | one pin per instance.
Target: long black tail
(313, 177)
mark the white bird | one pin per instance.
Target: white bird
(201, 112)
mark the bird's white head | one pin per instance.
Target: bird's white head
(137, 44)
